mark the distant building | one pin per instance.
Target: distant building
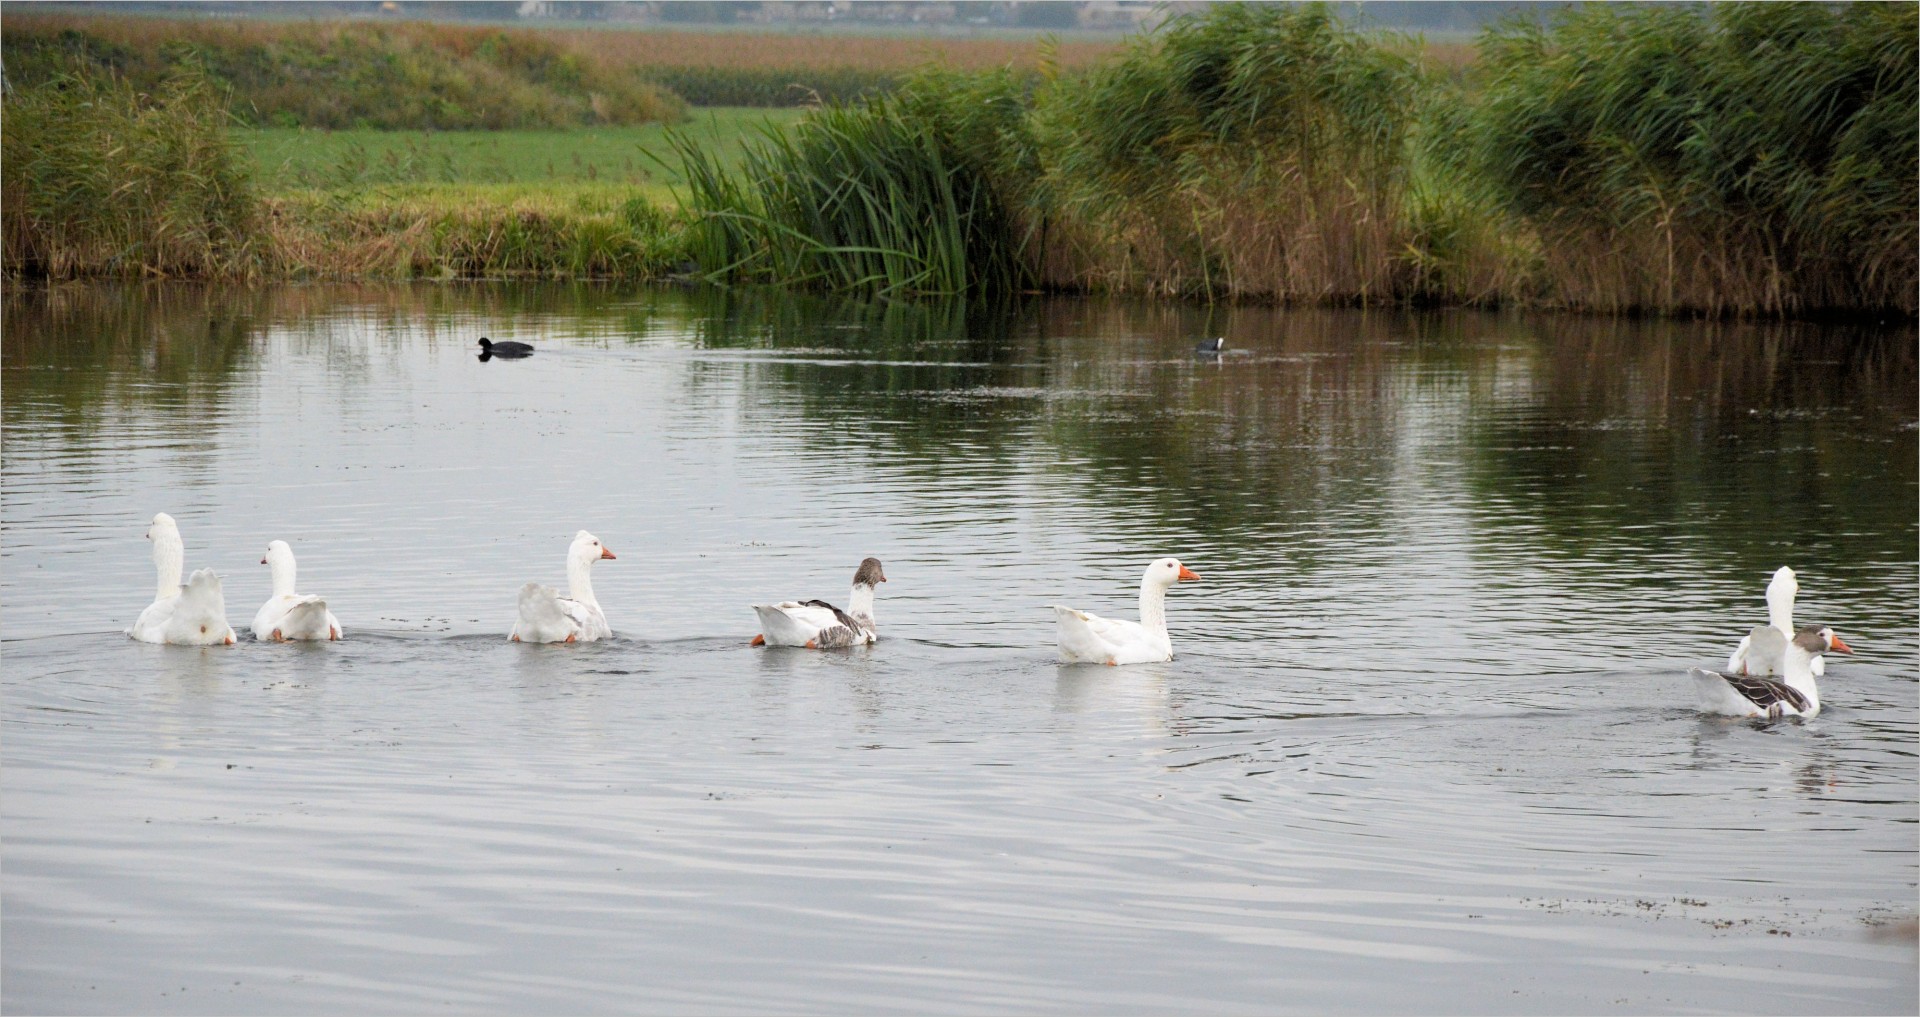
(785, 11)
(1124, 15)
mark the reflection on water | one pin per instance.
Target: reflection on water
(1426, 744)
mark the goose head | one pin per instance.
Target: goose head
(1168, 571)
(1780, 594)
(280, 558)
(587, 549)
(869, 574)
(163, 528)
(1820, 639)
(278, 552)
(1784, 587)
(169, 555)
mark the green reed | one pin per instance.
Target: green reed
(1249, 150)
(870, 197)
(1737, 158)
(99, 178)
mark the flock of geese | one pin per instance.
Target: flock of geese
(1770, 674)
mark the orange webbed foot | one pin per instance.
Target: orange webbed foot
(760, 640)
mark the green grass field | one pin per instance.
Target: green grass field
(517, 162)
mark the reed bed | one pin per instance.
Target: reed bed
(1254, 151)
(1731, 160)
(1741, 159)
(99, 178)
(869, 198)
(466, 231)
(892, 54)
(1745, 159)
(767, 69)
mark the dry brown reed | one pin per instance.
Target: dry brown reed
(460, 233)
(756, 50)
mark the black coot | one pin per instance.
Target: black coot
(1212, 347)
(489, 348)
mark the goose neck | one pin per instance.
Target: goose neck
(860, 602)
(1797, 670)
(1153, 607)
(580, 580)
(169, 561)
(282, 569)
(1780, 610)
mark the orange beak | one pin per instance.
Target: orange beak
(263, 561)
(1187, 575)
(606, 552)
(1840, 645)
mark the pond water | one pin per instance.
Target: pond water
(1427, 744)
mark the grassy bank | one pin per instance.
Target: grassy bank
(347, 73)
(1735, 159)
(209, 199)
(288, 159)
(599, 202)
(456, 231)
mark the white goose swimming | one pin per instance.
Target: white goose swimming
(816, 624)
(287, 615)
(1091, 639)
(1780, 595)
(547, 617)
(190, 615)
(1796, 695)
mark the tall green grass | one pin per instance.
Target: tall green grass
(1746, 158)
(1252, 150)
(874, 198)
(1732, 159)
(99, 178)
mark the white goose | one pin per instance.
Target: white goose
(547, 617)
(1796, 695)
(288, 615)
(190, 615)
(1780, 595)
(816, 624)
(1089, 638)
